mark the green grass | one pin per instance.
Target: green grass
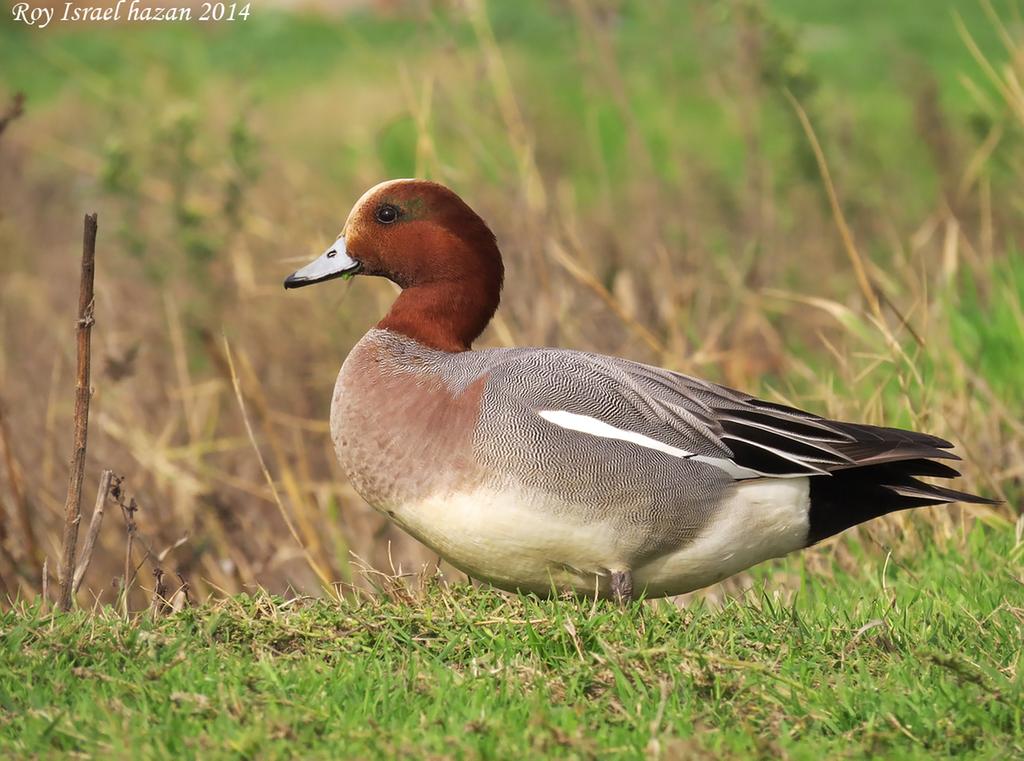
(991, 331)
(858, 69)
(913, 657)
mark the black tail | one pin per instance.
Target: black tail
(856, 494)
(857, 472)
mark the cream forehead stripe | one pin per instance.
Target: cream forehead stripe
(369, 193)
(595, 427)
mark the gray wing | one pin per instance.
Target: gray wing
(775, 440)
(656, 499)
(666, 448)
(743, 436)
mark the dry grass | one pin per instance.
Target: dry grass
(209, 197)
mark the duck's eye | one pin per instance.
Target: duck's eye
(386, 214)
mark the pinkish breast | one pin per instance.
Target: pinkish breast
(401, 434)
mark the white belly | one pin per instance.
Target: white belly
(760, 519)
(523, 541)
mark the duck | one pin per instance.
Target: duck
(556, 471)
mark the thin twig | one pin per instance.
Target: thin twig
(73, 505)
(46, 583)
(108, 482)
(135, 535)
(129, 522)
(158, 606)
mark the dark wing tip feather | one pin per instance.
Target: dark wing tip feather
(870, 470)
(777, 440)
(862, 432)
(940, 494)
(862, 453)
(926, 467)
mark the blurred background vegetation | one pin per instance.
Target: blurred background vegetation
(651, 183)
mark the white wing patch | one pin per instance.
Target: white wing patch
(595, 427)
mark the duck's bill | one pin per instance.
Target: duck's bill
(334, 262)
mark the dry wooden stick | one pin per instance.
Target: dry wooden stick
(108, 483)
(158, 605)
(73, 505)
(129, 575)
(46, 583)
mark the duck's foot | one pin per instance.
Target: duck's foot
(622, 587)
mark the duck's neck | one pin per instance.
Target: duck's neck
(447, 314)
